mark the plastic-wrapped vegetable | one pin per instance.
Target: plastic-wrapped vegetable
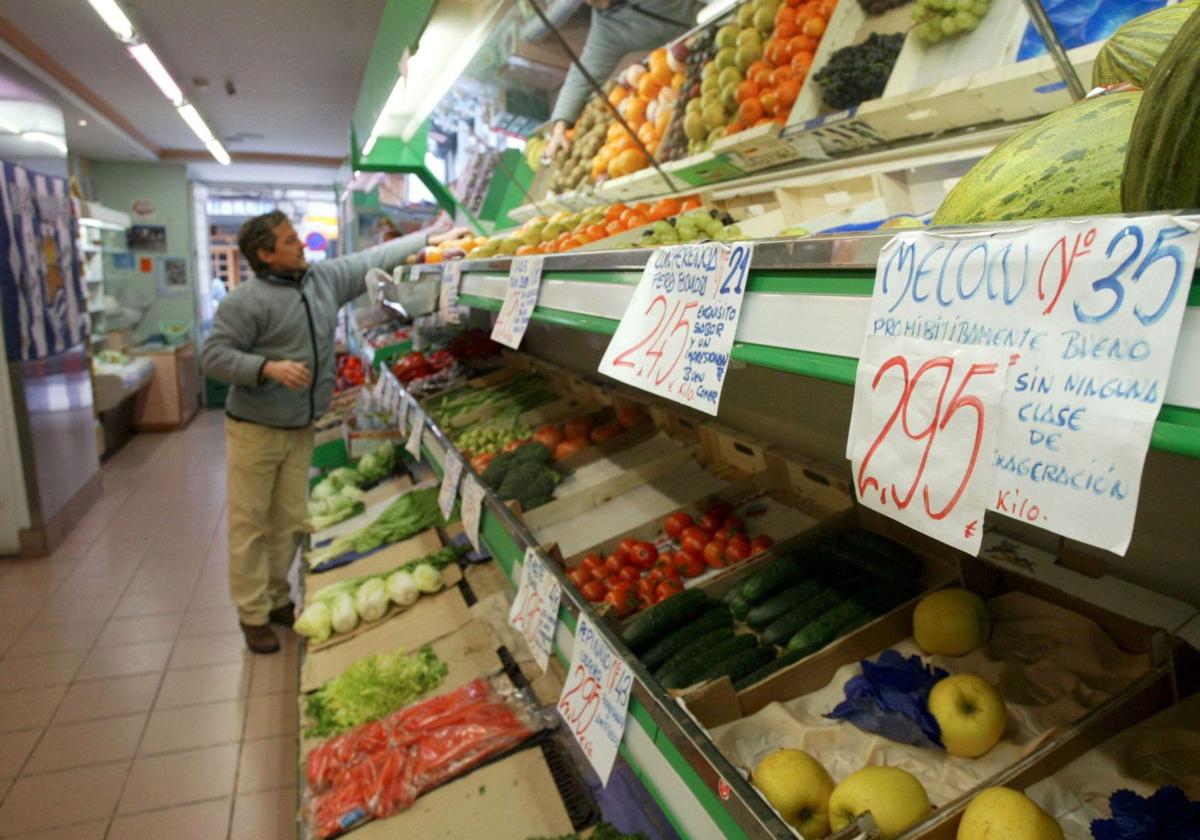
(315, 622)
(371, 600)
(402, 589)
(427, 578)
(343, 615)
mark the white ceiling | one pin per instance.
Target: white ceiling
(297, 66)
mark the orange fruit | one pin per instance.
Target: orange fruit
(648, 87)
(782, 74)
(802, 61)
(615, 130)
(525, 249)
(689, 203)
(764, 121)
(635, 113)
(748, 90)
(750, 111)
(734, 127)
(433, 255)
(788, 90)
(614, 211)
(595, 231)
(636, 220)
(814, 27)
(782, 119)
(678, 81)
(662, 120)
(614, 227)
(777, 53)
(647, 133)
(662, 74)
(664, 208)
(787, 28)
(617, 94)
(614, 167)
(781, 14)
(657, 58)
(825, 9)
(770, 101)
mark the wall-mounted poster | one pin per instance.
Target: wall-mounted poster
(172, 276)
(147, 238)
(41, 294)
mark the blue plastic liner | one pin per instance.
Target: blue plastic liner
(891, 698)
(1165, 815)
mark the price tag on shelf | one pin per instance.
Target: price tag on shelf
(677, 332)
(534, 612)
(524, 283)
(417, 418)
(472, 508)
(595, 697)
(452, 470)
(406, 402)
(448, 297)
(1080, 318)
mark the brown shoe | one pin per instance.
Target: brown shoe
(285, 615)
(260, 638)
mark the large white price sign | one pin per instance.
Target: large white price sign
(417, 418)
(452, 470)
(1080, 318)
(472, 508)
(448, 297)
(524, 283)
(676, 335)
(534, 612)
(595, 697)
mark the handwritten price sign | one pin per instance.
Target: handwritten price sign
(417, 418)
(534, 611)
(448, 296)
(402, 412)
(472, 508)
(677, 332)
(524, 283)
(1081, 321)
(595, 698)
(452, 470)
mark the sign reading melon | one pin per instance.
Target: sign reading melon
(1079, 319)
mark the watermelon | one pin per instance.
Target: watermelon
(1162, 166)
(1066, 164)
(1133, 50)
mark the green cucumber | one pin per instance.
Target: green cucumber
(663, 618)
(687, 673)
(782, 661)
(793, 621)
(740, 607)
(713, 618)
(817, 634)
(741, 663)
(781, 603)
(777, 574)
(694, 648)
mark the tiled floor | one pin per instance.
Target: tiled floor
(129, 707)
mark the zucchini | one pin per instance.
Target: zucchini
(663, 618)
(741, 663)
(688, 672)
(782, 661)
(793, 621)
(825, 629)
(782, 603)
(694, 648)
(713, 618)
(777, 574)
(740, 607)
(734, 592)
(878, 555)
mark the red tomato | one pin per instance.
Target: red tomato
(676, 523)
(720, 508)
(714, 555)
(667, 588)
(737, 551)
(645, 589)
(733, 523)
(600, 572)
(629, 573)
(611, 582)
(592, 561)
(643, 555)
(594, 591)
(614, 564)
(625, 549)
(695, 532)
(687, 565)
(579, 577)
(709, 522)
(621, 600)
(670, 572)
(695, 542)
(579, 427)
(760, 543)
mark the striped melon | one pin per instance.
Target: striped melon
(1133, 50)
(1066, 164)
(1162, 166)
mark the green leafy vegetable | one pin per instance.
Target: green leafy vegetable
(343, 616)
(427, 578)
(372, 688)
(315, 622)
(411, 513)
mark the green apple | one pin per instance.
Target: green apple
(970, 712)
(714, 115)
(749, 37)
(951, 622)
(725, 57)
(895, 798)
(727, 35)
(745, 15)
(1003, 812)
(798, 787)
(729, 76)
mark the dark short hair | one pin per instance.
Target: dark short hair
(259, 233)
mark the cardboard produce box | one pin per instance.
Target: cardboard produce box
(1068, 669)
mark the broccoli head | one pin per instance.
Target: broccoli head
(533, 451)
(497, 470)
(530, 483)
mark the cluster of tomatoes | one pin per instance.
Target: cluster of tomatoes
(773, 83)
(348, 372)
(640, 573)
(616, 218)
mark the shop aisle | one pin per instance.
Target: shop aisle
(129, 706)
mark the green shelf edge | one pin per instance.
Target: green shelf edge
(1177, 429)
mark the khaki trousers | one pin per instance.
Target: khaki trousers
(266, 488)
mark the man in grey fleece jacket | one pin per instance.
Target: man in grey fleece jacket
(272, 340)
(618, 27)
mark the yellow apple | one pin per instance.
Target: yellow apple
(895, 798)
(970, 712)
(1003, 812)
(951, 622)
(798, 787)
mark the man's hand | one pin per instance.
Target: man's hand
(453, 233)
(294, 375)
(558, 140)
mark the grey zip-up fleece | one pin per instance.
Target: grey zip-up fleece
(269, 318)
(623, 28)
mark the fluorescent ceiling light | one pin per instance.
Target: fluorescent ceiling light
(195, 122)
(370, 144)
(10, 127)
(714, 9)
(218, 151)
(48, 139)
(112, 15)
(158, 74)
